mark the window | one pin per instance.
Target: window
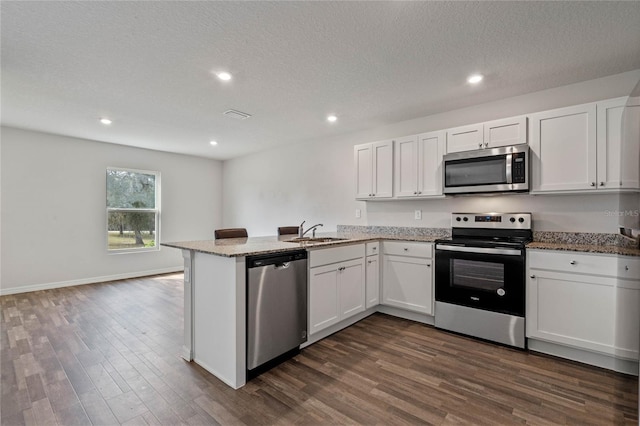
(133, 210)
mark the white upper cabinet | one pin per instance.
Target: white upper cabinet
(579, 148)
(418, 165)
(608, 143)
(618, 164)
(465, 138)
(374, 170)
(505, 132)
(563, 149)
(630, 149)
(492, 134)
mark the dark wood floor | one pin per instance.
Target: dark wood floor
(109, 354)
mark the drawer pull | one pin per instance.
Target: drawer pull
(428, 265)
(374, 248)
(406, 249)
(532, 276)
(573, 262)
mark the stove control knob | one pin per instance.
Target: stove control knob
(513, 219)
(458, 219)
(521, 220)
(465, 218)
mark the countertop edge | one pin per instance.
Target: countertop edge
(584, 248)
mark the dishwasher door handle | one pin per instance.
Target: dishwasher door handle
(284, 265)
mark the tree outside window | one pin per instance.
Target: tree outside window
(133, 210)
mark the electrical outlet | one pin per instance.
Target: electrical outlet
(358, 213)
(417, 214)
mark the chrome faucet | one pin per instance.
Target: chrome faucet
(301, 230)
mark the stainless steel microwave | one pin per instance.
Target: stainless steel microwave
(504, 169)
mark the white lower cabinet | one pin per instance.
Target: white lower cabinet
(407, 281)
(584, 301)
(336, 289)
(372, 275)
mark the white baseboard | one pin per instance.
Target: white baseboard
(92, 280)
(584, 356)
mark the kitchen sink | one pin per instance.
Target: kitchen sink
(314, 239)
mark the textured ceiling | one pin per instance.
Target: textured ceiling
(148, 65)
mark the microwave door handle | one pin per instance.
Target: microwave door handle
(509, 158)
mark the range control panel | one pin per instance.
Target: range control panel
(491, 220)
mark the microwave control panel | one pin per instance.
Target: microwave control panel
(518, 167)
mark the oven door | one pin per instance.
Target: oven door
(492, 279)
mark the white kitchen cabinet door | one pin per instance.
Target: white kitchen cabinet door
(374, 170)
(351, 288)
(465, 138)
(418, 165)
(563, 148)
(364, 170)
(618, 165)
(383, 169)
(627, 318)
(430, 153)
(372, 280)
(609, 132)
(406, 166)
(505, 132)
(324, 310)
(572, 309)
(407, 283)
(630, 148)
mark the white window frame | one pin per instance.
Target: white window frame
(124, 210)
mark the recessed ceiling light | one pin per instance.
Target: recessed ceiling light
(332, 118)
(224, 76)
(214, 143)
(475, 78)
(105, 121)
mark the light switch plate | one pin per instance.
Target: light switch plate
(358, 213)
(417, 214)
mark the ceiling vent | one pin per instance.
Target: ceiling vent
(238, 115)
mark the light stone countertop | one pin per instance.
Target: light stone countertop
(234, 247)
(585, 248)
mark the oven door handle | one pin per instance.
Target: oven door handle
(480, 250)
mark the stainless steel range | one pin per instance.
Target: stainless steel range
(480, 276)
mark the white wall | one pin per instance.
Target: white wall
(314, 180)
(54, 215)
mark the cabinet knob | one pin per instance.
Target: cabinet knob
(406, 249)
(415, 192)
(626, 268)
(532, 276)
(573, 262)
(486, 144)
(419, 192)
(601, 183)
(480, 145)
(369, 261)
(593, 184)
(428, 265)
(374, 248)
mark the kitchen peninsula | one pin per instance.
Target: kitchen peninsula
(215, 295)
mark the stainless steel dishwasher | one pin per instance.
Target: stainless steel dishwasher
(276, 308)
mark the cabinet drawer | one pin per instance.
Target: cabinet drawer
(373, 248)
(401, 248)
(337, 254)
(582, 263)
(629, 267)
